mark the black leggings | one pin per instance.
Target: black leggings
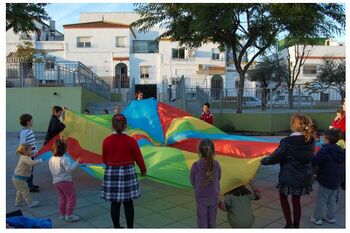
(128, 210)
(286, 209)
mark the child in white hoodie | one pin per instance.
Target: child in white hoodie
(61, 169)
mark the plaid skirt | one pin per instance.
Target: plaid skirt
(120, 184)
(294, 191)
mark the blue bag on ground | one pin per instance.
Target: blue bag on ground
(25, 222)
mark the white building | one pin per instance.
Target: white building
(314, 57)
(123, 57)
(46, 37)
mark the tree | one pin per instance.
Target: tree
(27, 55)
(20, 16)
(269, 70)
(241, 27)
(331, 75)
(300, 52)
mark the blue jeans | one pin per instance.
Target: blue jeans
(325, 197)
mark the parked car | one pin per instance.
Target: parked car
(250, 101)
(284, 100)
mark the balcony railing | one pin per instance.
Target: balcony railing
(61, 74)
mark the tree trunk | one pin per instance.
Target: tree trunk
(263, 99)
(342, 93)
(290, 98)
(240, 92)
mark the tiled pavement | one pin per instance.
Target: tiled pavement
(160, 206)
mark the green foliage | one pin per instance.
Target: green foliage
(331, 74)
(20, 16)
(270, 69)
(27, 53)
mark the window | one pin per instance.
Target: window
(145, 46)
(309, 69)
(324, 97)
(120, 41)
(83, 42)
(178, 53)
(50, 63)
(215, 54)
(175, 81)
(144, 71)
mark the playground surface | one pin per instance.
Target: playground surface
(160, 205)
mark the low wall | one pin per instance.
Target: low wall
(267, 122)
(38, 101)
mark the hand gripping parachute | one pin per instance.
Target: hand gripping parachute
(168, 138)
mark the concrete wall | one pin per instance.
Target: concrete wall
(267, 122)
(39, 101)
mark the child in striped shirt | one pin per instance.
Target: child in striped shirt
(26, 135)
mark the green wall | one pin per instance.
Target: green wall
(38, 102)
(267, 122)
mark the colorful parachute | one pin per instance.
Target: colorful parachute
(168, 138)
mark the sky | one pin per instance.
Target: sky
(68, 13)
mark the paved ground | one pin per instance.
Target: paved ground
(160, 206)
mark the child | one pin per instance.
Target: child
(26, 135)
(294, 154)
(330, 160)
(22, 173)
(117, 110)
(105, 111)
(206, 114)
(61, 170)
(205, 178)
(55, 125)
(238, 205)
(139, 95)
(339, 120)
(120, 184)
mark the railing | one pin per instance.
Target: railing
(254, 98)
(58, 74)
(181, 94)
(131, 90)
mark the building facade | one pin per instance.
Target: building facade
(129, 60)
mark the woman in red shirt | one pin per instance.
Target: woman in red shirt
(120, 184)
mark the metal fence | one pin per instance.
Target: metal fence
(253, 98)
(55, 74)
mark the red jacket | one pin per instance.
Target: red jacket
(122, 150)
(207, 117)
(339, 124)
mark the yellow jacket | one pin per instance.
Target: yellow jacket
(25, 165)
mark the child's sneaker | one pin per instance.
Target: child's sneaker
(19, 204)
(330, 220)
(62, 217)
(316, 221)
(33, 204)
(72, 218)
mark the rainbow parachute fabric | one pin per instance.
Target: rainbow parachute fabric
(168, 138)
